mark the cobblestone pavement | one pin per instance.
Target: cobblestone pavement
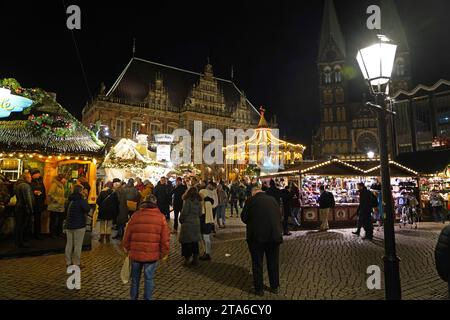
(313, 266)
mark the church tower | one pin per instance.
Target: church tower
(334, 131)
(392, 27)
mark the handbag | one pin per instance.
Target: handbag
(125, 273)
(132, 205)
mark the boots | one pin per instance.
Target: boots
(205, 257)
(102, 238)
(195, 260)
(108, 238)
(186, 261)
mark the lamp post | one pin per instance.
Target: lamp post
(376, 63)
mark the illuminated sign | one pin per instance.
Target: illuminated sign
(12, 103)
(163, 152)
(164, 138)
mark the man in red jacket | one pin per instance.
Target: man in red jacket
(146, 240)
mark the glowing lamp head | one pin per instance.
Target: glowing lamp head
(377, 62)
(371, 154)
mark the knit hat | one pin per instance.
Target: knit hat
(149, 201)
(35, 171)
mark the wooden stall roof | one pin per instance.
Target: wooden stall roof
(337, 167)
(427, 162)
(16, 136)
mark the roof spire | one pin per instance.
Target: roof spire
(331, 32)
(262, 121)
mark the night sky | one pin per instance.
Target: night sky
(272, 45)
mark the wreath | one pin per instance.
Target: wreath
(49, 125)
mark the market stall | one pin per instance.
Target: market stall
(341, 178)
(46, 137)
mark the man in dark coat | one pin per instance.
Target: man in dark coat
(274, 192)
(178, 192)
(261, 214)
(24, 208)
(38, 188)
(286, 198)
(163, 193)
(326, 203)
(365, 210)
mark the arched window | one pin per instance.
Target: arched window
(335, 133)
(337, 74)
(330, 115)
(327, 75)
(343, 133)
(325, 115)
(340, 95)
(328, 96)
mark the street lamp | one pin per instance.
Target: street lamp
(376, 63)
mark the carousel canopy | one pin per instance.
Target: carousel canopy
(47, 128)
(263, 144)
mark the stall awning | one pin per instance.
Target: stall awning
(341, 168)
(332, 167)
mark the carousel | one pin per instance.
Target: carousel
(263, 153)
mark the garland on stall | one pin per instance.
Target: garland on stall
(48, 125)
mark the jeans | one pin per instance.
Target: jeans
(272, 252)
(149, 272)
(189, 249)
(207, 240)
(74, 245)
(234, 204)
(165, 210)
(220, 210)
(176, 213)
(294, 213)
(365, 221)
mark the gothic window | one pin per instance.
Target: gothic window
(337, 74)
(325, 115)
(340, 95)
(330, 115)
(155, 128)
(335, 133)
(328, 96)
(135, 127)
(343, 133)
(344, 148)
(343, 115)
(328, 133)
(327, 75)
(120, 128)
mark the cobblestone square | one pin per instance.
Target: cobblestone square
(314, 266)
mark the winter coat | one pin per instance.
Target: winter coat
(147, 236)
(163, 193)
(108, 205)
(234, 191)
(222, 197)
(365, 208)
(24, 196)
(190, 222)
(207, 218)
(286, 196)
(274, 192)
(261, 214)
(56, 198)
(77, 209)
(178, 193)
(122, 217)
(442, 254)
(326, 200)
(39, 200)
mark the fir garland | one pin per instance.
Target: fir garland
(48, 125)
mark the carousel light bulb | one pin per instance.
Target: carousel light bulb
(40, 157)
(11, 154)
(77, 158)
